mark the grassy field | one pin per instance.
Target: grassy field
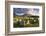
(26, 21)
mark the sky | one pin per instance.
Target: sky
(22, 11)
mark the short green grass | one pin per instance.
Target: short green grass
(32, 23)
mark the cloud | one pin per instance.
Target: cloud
(22, 11)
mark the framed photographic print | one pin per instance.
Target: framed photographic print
(25, 18)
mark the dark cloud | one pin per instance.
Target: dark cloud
(20, 10)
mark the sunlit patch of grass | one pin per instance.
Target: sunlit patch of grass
(31, 25)
(34, 22)
(28, 25)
